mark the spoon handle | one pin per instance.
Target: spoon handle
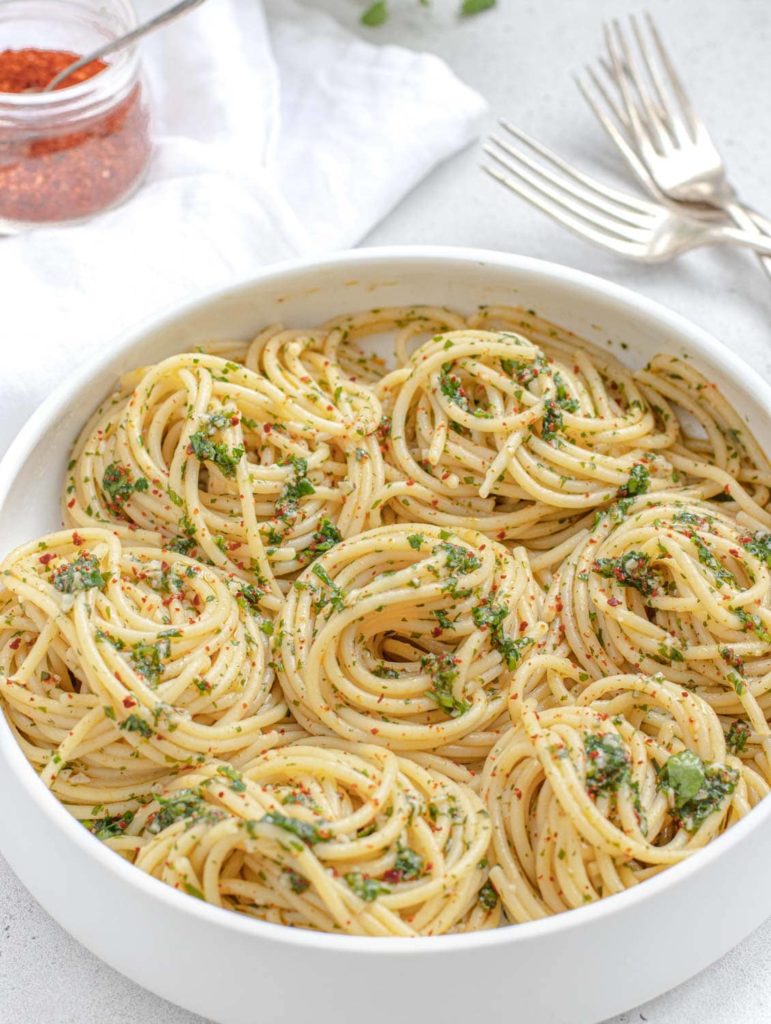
(124, 40)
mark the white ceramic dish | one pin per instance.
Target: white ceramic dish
(575, 968)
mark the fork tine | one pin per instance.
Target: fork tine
(656, 127)
(573, 224)
(563, 195)
(606, 191)
(575, 192)
(639, 135)
(614, 108)
(652, 70)
(616, 136)
(674, 81)
(648, 114)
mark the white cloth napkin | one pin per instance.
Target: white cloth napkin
(278, 134)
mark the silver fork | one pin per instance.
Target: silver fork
(650, 118)
(616, 220)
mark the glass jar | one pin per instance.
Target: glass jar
(84, 147)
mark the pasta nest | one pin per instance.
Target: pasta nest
(119, 663)
(676, 583)
(588, 799)
(488, 432)
(326, 835)
(407, 636)
(252, 472)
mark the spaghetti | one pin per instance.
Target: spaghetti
(333, 836)
(401, 643)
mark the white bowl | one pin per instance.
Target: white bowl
(576, 967)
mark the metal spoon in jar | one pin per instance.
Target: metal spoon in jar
(124, 40)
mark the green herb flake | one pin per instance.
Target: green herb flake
(134, 723)
(493, 616)
(638, 482)
(82, 574)
(698, 789)
(119, 486)
(607, 763)
(487, 897)
(304, 830)
(376, 14)
(367, 889)
(632, 569)
(737, 736)
(216, 452)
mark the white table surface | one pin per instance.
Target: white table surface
(520, 57)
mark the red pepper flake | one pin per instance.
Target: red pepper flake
(77, 540)
(46, 558)
(68, 174)
(15, 644)
(128, 702)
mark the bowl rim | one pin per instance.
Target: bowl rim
(217, 917)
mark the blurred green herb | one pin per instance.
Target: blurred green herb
(378, 13)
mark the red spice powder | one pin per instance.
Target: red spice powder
(67, 174)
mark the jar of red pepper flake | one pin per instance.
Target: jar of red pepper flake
(84, 147)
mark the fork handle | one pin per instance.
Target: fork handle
(743, 219)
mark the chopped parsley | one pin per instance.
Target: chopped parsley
(184, 804)
(305, 830)
(458, 559)
(760, 547)
(108, 828)
(607, 763)
(737, 736)
(524, 373)
(216, 452)
(698, 789)
(237, 784)
(365, 888)
(416, 541)
(487, 897)
(632, 569)
(299, 486)
(707, 559)
(185, 544)
(147, 658)
(552, 422)
(750, 621)
(297, 883)
(119, 486)
(443, 620)
(638, 482)
(337, 596)
(384, 672)
(82, 574)
(493, 616)
(563, 399)
(451, 387)
(409, 863)
(443, 671)
(249, 597)
(324, 538)
(134, 723)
